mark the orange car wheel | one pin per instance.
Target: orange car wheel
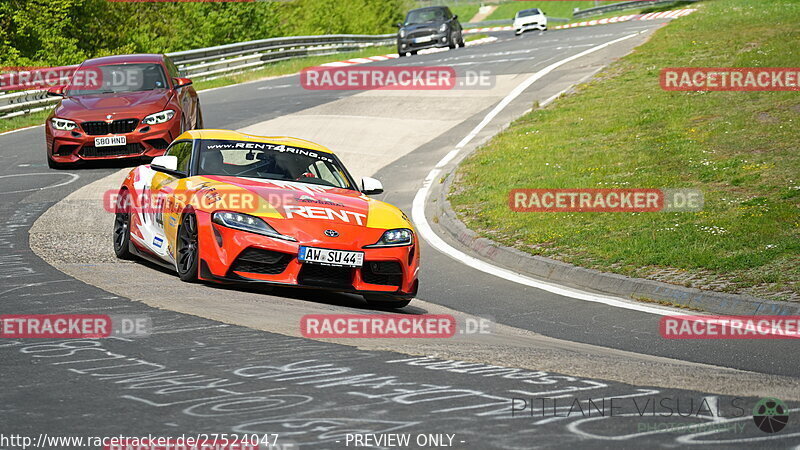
(122, 226)
(188, 249)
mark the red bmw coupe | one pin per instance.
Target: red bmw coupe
(139, 105)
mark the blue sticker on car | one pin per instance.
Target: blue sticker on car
(158, 242)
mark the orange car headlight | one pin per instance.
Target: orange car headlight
(246, 222)
(398, 237)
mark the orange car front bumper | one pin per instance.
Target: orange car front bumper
(238, 256)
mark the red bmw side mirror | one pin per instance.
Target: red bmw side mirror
(181, 82)
(56, 91)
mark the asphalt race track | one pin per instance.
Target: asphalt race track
(223, 360)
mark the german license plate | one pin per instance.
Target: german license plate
(328, 257)
(110, 141)
(423, 39)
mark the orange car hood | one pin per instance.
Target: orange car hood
(291, 199)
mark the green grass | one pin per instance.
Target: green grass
(680, 4)
(465, 12)
(562, 9)
(621, 130)
(27, 120)
(475, 37)
(275, 69)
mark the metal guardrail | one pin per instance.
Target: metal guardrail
(619, 7)
(25, 102)
(214, 62)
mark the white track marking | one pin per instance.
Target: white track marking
(359, 60)
(20, 129)
(528, 82)
(73, 177)
(280, 86)
(425, 230)
(563, 91)
(336, 64)
(25, 286)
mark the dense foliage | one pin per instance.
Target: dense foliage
(54, 32)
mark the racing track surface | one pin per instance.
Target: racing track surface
(198, 375)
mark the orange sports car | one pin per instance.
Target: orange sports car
(230, 207)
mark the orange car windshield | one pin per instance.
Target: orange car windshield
(271, 162)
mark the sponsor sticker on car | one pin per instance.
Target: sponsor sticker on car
(328, 257)
(110, 141)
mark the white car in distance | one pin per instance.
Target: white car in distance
(530, 19)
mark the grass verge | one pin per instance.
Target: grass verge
(650, 9)
(27, 120)
(464, 11)
(275, 69)
(475, 37)
(621, 130)
(562, 9)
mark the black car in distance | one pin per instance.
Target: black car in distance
(430, 27)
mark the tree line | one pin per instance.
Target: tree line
(63, 32)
